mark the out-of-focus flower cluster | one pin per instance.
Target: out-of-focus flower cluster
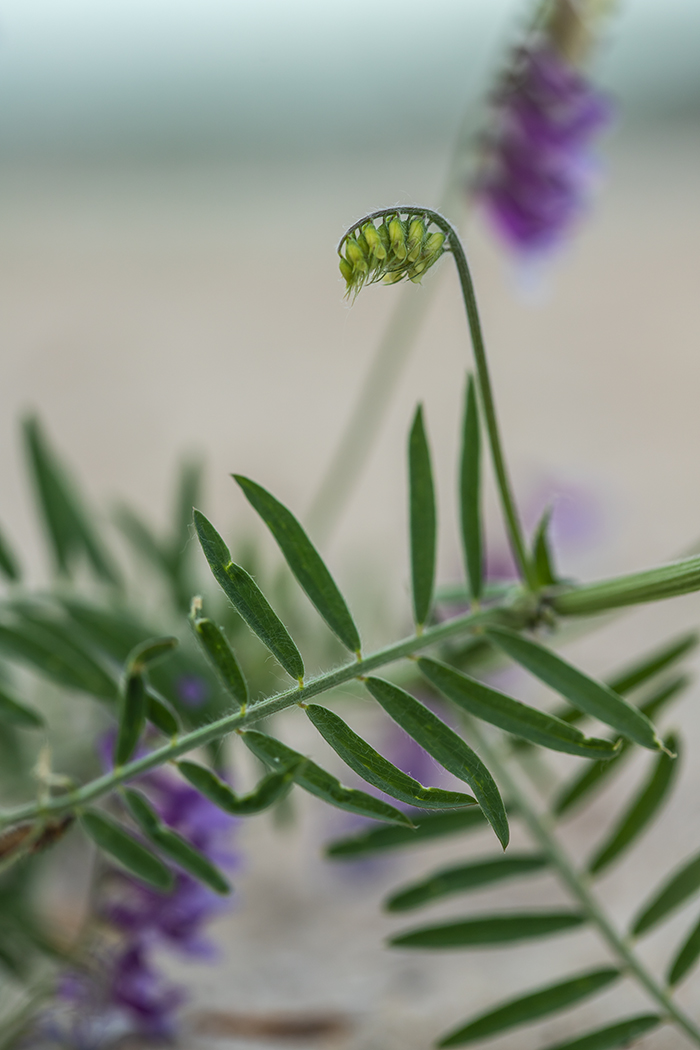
(394, 249)
(538, 167)
(120, 990)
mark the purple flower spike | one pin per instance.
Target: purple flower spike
(538, 167)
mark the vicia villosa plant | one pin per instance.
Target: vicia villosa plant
(153, 799)
(80, 646)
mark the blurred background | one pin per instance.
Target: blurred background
(174, 179)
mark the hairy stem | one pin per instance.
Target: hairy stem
(580, 890)
(516, 615)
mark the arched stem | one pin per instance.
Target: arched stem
(510, 511)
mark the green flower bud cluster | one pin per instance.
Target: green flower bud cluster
(394, 249)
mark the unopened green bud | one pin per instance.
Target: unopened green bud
(433, 244)
(355, 256)
(397, 239)
(346, 270)
(416, 234)
(393, 277)
(377, 251)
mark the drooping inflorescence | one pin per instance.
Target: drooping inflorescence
(389, 250)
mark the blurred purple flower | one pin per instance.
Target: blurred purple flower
(120, 991)
(538, 166)
(192, 691)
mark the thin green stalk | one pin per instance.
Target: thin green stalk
(515, 532)
(516, 615)
(512, 519)
(580, 890)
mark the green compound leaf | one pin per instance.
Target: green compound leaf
(470, 493)
(52, 656)
(491, 929)
(686, 958)
(621, 1034)
(532, 1007)
(675, 892)
(160, 714)
(597, 775)
(149, 653)
(511, 715)
(423, 522)
(446, 748)
(14, 712)
(132, 716)
(271, 789)
(318, 782)
(642, 810)
(68, 528)
(173, 845)
(304, 561)
(427, 827)
(585, 693)
(245, 595)
(9, 566)
(113, 839)
(463, 878)
(541, 552)
(377, 770)
(221, 656)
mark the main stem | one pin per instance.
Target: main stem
(578, 888)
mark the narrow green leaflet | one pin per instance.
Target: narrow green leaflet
(470, 493)
(14, 712)
(173, 845)
(245, 595)
(686, 958)
(426, 828)
(503, 711)
(132, 716)
(9, 566)
(446, 748)
(422, 517)
(149, 653)
(377, 770)
(318, 782)
(641, 671)
(622, 1034)
(636, 674)
(532, 1007)
(463, 878)
(113, 839)
(50, 655)
(585, 693)
(67, 525)
(216, 648)
(684, 884)
(304, 561)
(490, 929)
(143, 539)
(160, 714)
(541, 552)
(642, 810)
(597, 775)
(271, 789)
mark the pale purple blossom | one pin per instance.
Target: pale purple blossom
(538, 165)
